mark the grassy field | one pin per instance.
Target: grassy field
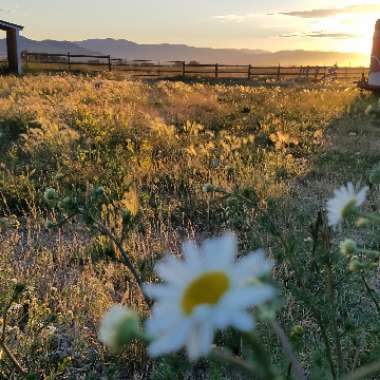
(153, 146)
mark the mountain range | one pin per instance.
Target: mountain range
(121, 48)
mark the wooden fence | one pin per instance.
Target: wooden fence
(145, 68)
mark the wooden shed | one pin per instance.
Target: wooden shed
(13, 45)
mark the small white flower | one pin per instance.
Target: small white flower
(345, 201)
(118, 326)
(207, 291)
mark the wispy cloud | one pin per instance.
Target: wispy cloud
(308, 14)
(328, 12)
(236, 18)
(336, 36)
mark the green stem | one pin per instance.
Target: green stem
(325, 339)
(331, 295)
(331, 291)
(296, 367)
(13, 359)
(262, 357)
(103, 229)
(225, 356)
(371, 293)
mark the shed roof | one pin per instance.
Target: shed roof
(5, 25)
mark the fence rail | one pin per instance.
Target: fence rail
(146, 68)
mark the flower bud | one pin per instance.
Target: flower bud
(348, 247)
(355, 264)
(119, 327)
(362, 222)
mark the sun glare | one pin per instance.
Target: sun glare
(350, 32)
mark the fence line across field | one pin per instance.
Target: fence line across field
(146, 68)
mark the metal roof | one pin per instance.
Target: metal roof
(9, 25)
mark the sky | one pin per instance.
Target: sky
(337, 25)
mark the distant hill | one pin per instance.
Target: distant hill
(48, 46)
(166, 52)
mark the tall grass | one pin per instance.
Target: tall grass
(153, 146)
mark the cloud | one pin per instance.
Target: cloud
(235, 17)
(336, 36)
(328, 12)
(309, 14)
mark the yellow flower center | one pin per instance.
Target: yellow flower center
(208, 289)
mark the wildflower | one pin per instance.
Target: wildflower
(344, 203)
(348, 247)
(207, 291)
(118, 327)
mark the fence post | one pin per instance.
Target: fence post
(69, 60)
(216, 70)
(279, 72)
(109, 63)
(249, 71)
(307, 72)
(183, 69)
(316, 72)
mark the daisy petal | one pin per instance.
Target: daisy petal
(254, 265)
(243, 321)
(170, 269)
(344, 201)
(157, 291)
(220, 252)
(171, 342)
(164, 316)
(247, 297)
(200, 341)
(192, 256)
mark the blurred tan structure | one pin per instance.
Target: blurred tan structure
(13, 45)
(374, 70)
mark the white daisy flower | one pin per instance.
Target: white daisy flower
(345, 201)
(209, 290)
(118, 326)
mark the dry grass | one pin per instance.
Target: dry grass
(168, 139)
